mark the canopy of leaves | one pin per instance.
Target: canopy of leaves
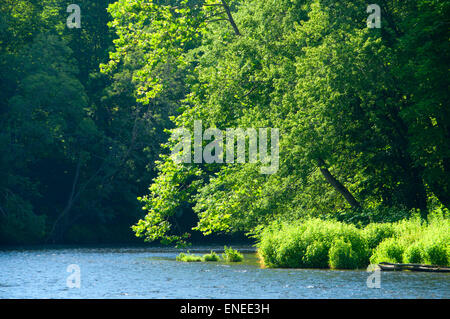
(368, 106)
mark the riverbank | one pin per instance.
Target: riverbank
(316, 243)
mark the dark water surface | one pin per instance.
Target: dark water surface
(143, 272)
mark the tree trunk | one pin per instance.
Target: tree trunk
(230, 17)
(60, 223)
(338, 186)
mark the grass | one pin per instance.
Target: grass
(232, 255)
(416, 241)
(316, 243)
(308, 244)
(229, 255)
(189, 257)
(211, 257)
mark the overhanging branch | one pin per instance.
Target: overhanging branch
(230, 17)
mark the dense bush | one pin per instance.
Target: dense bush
(211, 257)
(375, 233)
(316, 255)
(413, 254)
(189, 257)
(316, 243)
(307, 244)
(390, 250)
(436, 254)
(232, 255)
(415, 241)
(342, 256)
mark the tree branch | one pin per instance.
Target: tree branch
(337, 185)
(70, 200)
(230, 17)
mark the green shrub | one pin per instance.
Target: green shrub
(413, 254)
(390, 250)
(211, 257)
(436, 254)
(290, 251)
(424, 242)
(189, 257)
(316, 243)
(267, 249)
(342, 256)
(375, 233)
(232, 255)
(316, 255)
(306, 244)
(436, 239)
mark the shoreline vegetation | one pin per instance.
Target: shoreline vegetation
(362, 115)
(331, 244)
(317, 243)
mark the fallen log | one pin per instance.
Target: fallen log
(412, 267)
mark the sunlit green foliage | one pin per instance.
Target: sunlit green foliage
(413, 241)
(316, 243)
(363, 116)
(232, 255)
(211, 257)
(339, 93)
(189, 257)
(312, 243)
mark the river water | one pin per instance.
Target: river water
(149, 272)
